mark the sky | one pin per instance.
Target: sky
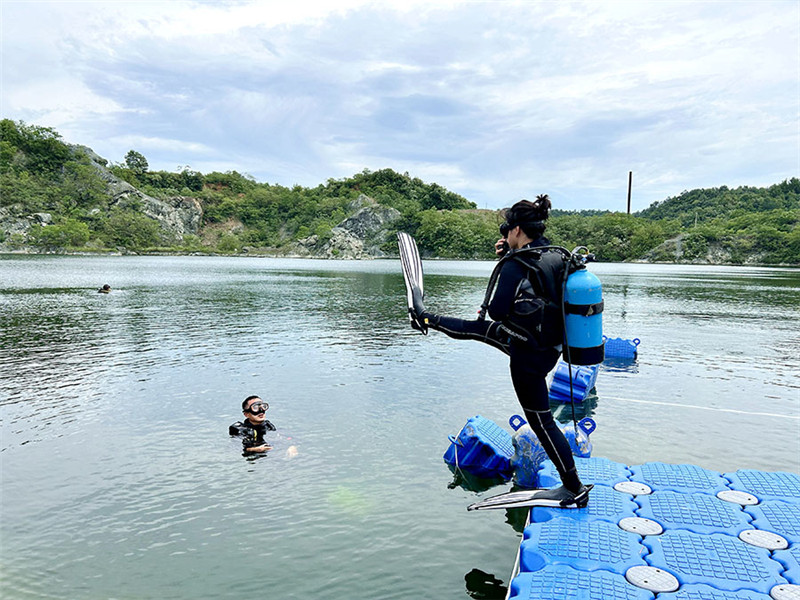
(494, 100)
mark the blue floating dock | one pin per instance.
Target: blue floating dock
(714, 536)
(583, 381)
(621, 348)
(482, 448)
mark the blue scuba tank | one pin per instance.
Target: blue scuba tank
(583, 299)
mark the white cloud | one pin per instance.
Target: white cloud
(495, 100)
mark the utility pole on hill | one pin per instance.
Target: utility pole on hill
(630, 183)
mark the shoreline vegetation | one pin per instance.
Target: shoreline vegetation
(57, 198)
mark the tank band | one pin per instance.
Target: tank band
(585, 356)
(584, 310)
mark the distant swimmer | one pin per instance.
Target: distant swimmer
(106, 289)
(254, 426)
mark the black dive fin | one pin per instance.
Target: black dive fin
(412, 275)
(554, 498)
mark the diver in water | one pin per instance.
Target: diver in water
(526, 324)
(254, 426)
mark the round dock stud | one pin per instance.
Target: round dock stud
(633, 487)
(736, 497)
(652, 579)
(764, 539)
(785, 591)
(641, 526)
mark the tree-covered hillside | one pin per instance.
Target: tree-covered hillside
(58, 197)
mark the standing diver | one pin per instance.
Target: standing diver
(527, 325)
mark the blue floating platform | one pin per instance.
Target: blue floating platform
(700, 513)
(584, 554)
(679, 478)
(721, 561)
(766, 485)
(482, 448)
(621, 348)
(704, 592)
(583, 382)
(595, 469)
(606, 504)
(584, 545)
(790, 560)
(779, 517)
(559, 582)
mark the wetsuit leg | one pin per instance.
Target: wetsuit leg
(488, 332)
(528, 372)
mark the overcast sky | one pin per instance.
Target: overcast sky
(494, 100)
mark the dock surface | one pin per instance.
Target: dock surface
(665, 532)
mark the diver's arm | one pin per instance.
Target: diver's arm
(262, 448)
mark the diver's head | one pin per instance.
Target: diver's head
(255, 409)
(529, 217)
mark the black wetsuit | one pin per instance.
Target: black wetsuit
(252, 435)
(529, 363)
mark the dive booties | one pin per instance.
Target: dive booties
(561, 497)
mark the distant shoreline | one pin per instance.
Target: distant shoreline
(111, 253)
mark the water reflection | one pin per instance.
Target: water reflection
(619, 365)
(115, 409)
(472, 483)
(484, 586)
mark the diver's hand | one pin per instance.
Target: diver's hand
(262, 448)
(501, 247)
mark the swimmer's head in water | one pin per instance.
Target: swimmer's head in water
(255, 409)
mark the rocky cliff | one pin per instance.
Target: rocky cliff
(177, 216)
(359, 236)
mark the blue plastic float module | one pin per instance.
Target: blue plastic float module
(679, 478)
(560, 582)
(607, 505)
(482, 448)
(591, 470)
(583, 545)
(790, 560)
(722, 561)
(704, 592)
(699, 544)
(700, 513)
(621, 348)
(775, 515)
(765, 485)
(583, 382)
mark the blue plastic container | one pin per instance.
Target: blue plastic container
(579, 438)
(528, 454)
(621, 348)
(583, 382)
(482, 448)
(583, 299)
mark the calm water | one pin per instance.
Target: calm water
(119, 479)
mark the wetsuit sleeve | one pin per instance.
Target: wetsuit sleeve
(503, 300)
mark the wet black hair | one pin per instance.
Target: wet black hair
(530, 216)
(246, 400)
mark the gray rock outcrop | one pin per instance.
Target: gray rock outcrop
(359, 236)
(177, 216)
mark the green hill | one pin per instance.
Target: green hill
(56, 197)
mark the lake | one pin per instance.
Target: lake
(119, 478)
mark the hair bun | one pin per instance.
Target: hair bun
(542, 205)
